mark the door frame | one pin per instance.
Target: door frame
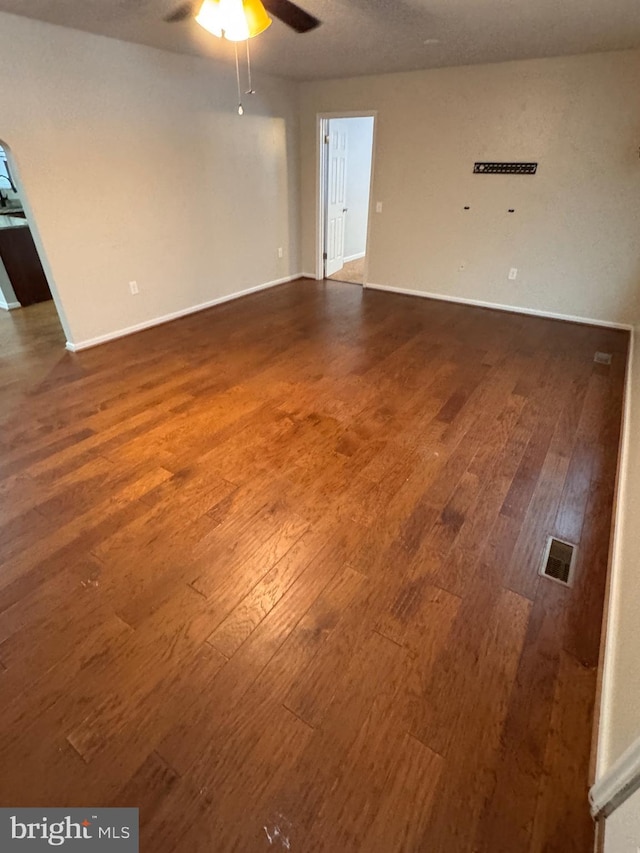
(33, 228)
(322, 128)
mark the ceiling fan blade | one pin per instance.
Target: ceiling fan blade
(180, 13)
(291, 15)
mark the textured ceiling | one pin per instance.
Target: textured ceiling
(371, 36)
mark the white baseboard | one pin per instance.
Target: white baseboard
(73, 346)
(618, 784)
(9, 306)
(514, 309)
(355, 257)
(311, 275)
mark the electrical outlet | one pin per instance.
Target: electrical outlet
(133, 287)
(513, 274)
(378, 207)
(280, 252)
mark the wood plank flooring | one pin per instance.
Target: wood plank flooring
(269, 573)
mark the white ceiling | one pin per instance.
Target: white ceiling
(371, 36)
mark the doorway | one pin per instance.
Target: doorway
(27, 301)
(346, 166)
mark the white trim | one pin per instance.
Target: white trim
(321, 170)
(622, 780)
(311, 275)
(355, 257)
(175, 315)
(9, 306)
(514, 309)
(611, 638)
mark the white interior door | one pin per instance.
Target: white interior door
(336, 198)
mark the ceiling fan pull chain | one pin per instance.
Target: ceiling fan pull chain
(250, 90)
(240, 107)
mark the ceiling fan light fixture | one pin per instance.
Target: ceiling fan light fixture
(256, 16)
(235, 20)
(209, 17)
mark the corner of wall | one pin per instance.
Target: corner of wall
(614, 641)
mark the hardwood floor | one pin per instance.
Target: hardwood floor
(269, 573)
(31, 343)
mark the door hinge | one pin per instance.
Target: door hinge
(324, 256)
(327, 139)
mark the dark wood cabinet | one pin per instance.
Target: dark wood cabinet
(21, 261)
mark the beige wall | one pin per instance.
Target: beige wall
(620, 717)
(136, 166)
(622, 834)
(573, 235)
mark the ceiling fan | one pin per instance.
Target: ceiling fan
(205, 11)
(241, 20)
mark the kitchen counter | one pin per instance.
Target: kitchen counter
(7, 221)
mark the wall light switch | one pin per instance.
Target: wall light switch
(133, 287)
(513, 274)
(280, 253)
(378, 207)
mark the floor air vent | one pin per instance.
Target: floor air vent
(558, 561)
(602, 358)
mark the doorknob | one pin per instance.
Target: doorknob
(344, 209)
